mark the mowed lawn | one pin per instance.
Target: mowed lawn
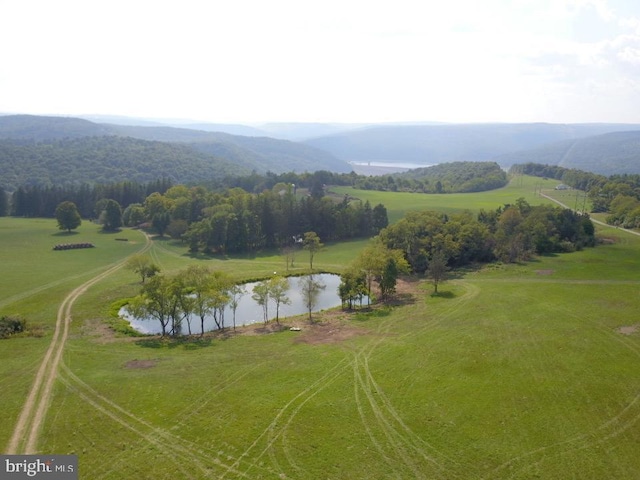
(517, 371)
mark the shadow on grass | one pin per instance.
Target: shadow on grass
(369, 313)
(445, 294)
(188, 343)
(65, 234)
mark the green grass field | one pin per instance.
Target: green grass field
(514, 371)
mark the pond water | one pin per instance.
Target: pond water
(249, 312)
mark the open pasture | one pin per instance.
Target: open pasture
(513, 371)
(397, 203)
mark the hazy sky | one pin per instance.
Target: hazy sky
(250, 61)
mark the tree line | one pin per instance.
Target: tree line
(217, 221)
(510, 233)
(182, 301)
(454, 177)
(433, 243)
(617, 195)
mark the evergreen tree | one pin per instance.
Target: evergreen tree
(380, 219)
(4, 203)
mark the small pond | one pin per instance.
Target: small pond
(249, 312)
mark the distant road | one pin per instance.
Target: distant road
(593, 220)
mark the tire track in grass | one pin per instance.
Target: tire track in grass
(206, 398)
(608, 430)
(28, 425)
(270, 431)
(410, 438)
(408, 446)
(34, 291)
(279, 434)
(174, 453)
(124, 414)
(616, 425)
(165, 441)
(401, 461)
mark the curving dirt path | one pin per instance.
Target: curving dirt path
(633, 232)
(27, 428)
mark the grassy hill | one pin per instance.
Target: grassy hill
(513, 371)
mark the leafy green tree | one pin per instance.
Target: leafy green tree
(198, 283)
(379, 218)
(278, 287)
(68, 216)
(133, 215)
(177, 228)
(236, 292)
(143, 266)
(111, 216)
(160, 221)
(312, 244)
(157, 301)
(219, 296)
(261, 295)
(382, 264)
(389, 278)
(310, 288)
(437, 269)
(353, 287)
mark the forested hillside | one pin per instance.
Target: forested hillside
(256, 153)
(454, 177)
(54, 150)
(608, 154)
(432, 144)
(103, 160)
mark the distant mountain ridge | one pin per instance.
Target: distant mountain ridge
(600, 148)
(433, 144)
(606, 154)
(210, 153)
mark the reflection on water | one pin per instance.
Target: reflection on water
(249, 312)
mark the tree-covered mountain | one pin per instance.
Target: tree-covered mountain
(433, 144)
(104, 160)
(607, 154)
(36, 149)
(38, 128)
(257, 153)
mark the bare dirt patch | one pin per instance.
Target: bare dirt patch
(326, 333)
(545, 272)
(141, 363)
(628, 330)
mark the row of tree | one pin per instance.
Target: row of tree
(237, 221)
(40, 201)
(197, 293)
(454, 177)
(510, 233)
(614, 194)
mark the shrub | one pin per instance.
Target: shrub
(12, 324)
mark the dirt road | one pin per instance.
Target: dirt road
(26, 432)
(593, 220)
